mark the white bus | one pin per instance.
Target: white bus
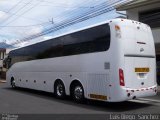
(111, 61)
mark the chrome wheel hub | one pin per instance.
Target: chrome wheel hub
(78, 92)
(59, 90)
(13, 83)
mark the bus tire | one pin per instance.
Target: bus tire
(77, 93)
(13, 84)
(59, 89)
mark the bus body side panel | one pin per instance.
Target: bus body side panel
(67, 69)
(113, 56)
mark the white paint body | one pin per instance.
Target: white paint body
(90, 70)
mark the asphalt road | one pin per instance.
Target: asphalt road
(25, 101)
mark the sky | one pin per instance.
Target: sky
(22, 18)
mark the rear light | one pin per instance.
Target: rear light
(118, 31)
(117, 28)
(121, 77)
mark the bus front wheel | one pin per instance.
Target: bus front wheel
(13, 84)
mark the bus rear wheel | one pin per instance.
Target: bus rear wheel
(59, 90)
(78, 93)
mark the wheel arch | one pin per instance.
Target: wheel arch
(56, 81)
(73, 83)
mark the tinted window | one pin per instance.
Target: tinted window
(96, 39)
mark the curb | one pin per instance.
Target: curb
(2, 81)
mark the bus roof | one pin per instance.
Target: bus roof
(73, 31)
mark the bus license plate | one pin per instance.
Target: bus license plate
(142, 70)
